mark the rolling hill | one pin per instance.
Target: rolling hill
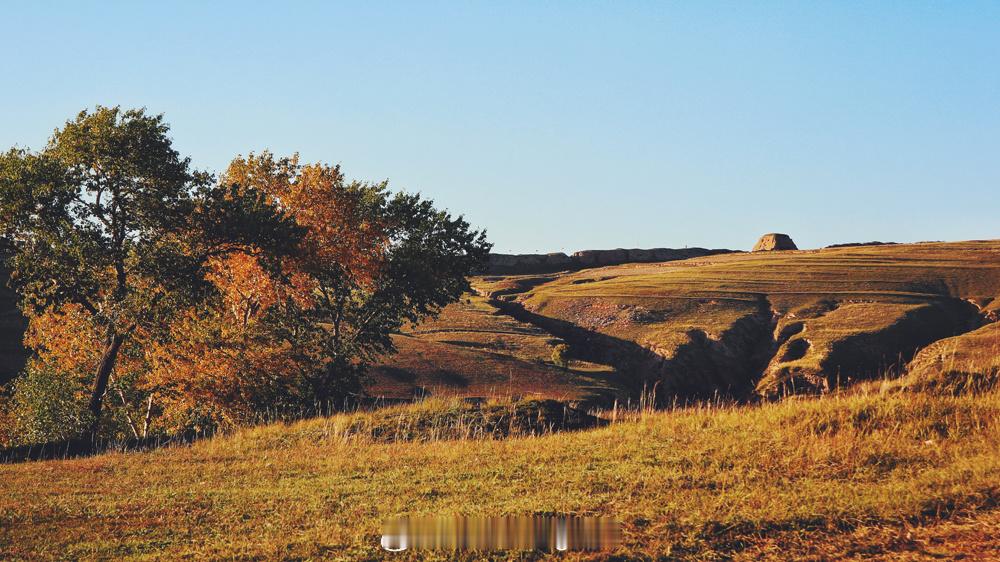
(473, 350)
(746, 325)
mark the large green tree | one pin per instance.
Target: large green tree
(110, 220)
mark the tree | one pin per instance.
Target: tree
(305, 331)
(110, 226)
(273, 287)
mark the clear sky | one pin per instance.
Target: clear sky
(563, 125)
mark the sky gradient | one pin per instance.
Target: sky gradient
(560, 126)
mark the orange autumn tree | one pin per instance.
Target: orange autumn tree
(299, 331)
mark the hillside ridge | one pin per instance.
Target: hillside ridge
(519, 264)
(763, 324)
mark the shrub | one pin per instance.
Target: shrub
(560, 355)
(47, 406)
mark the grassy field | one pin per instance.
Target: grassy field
(854, 475)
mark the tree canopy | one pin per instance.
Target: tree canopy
(194, 300)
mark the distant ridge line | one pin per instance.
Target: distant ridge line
(514, 264)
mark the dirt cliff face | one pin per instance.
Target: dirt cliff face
(856, 341)
(965, 363)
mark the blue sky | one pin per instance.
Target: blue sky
(563, 125)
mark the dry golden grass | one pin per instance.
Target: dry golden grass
(966, 363)
(966, 269)
(814, 476)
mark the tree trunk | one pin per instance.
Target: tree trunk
(101, 380)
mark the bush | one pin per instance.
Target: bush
(47, 406)
(560, 355)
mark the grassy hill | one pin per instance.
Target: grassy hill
(742, 325)
(764, 323)
(859, 475)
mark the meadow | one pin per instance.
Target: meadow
(857, 474)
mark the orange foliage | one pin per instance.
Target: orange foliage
(339, 228)
(65, 338)
(224, 357)
(213, 365)
(228, 360)
(247, 289)
(68, 339)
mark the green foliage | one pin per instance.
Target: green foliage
(108, 217)
(396, 259)
(86, 212)
(47, 406)
(91, 217)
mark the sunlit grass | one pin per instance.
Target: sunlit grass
(694, 482)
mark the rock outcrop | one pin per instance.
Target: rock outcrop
(774, 241)
(523, 264)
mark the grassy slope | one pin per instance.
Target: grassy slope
(960, 364)
(471, 350)
(817, 476)
(837, 303)
(808, 318)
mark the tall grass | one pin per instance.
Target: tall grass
(708, 480)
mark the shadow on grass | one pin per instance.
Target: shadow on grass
(83, 447)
